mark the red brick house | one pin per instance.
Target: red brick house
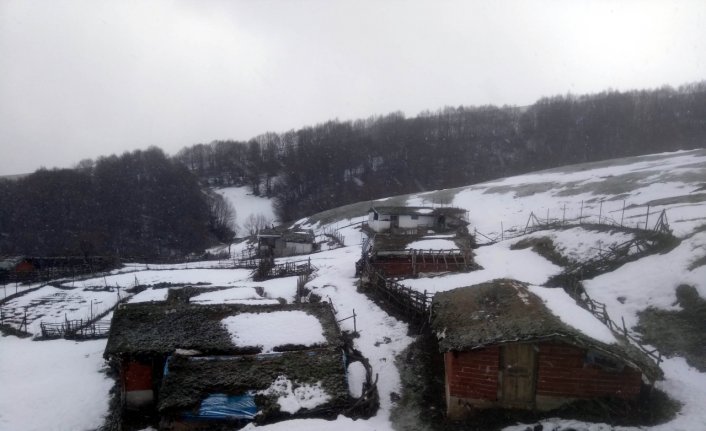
(503, 347)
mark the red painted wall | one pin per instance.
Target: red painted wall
(24, 267)
(562, 371)
(473, 374)
(137, 376)
(403, 267)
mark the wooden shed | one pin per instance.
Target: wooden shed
(174, 360)
(503, 347)
(410, 255)
(279, 242)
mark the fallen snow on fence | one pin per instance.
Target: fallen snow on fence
(274, 329)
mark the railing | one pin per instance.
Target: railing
(267, 269)
(75, 329)
(335, 235)
(413, 303)
(598, 309)
(535, 223)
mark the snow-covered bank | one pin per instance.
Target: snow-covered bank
(52, 385)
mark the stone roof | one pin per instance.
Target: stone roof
(188, 380)
(150, 329)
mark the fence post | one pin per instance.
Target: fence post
(563, 215)
(502, 231)
(600, 212)
(623, 214)
(647, 216)
(581, 214)
(355, 325)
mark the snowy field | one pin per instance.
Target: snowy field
(245, 204)
(52, 305)
(66, 378)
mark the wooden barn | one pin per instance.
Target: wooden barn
(204, 366)
(409, 255)
(276, 242)
(408, 220)
(504, 347)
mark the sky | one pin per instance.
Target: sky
(85, 78)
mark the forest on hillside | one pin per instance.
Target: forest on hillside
(147, 205)
(138, 205)
(339, 162)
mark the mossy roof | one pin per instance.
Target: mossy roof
(191, 379)
(505, 311)
(148, 329)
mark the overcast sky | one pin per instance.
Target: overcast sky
(80, 79)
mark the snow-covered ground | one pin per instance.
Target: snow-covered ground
(59, 384)
(52, 305)
(498, 261)
(245, 204)
(52, 385)
(581, 244)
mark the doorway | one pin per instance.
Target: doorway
(519, 366)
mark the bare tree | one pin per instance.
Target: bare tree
(223, 215)
(254, 223)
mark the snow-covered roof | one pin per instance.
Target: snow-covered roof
(157, 329)
(505, 311)
(268, 331)
(383, 243)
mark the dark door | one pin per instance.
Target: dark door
(519, 364)
(394, 221)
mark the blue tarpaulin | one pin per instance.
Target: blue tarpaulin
(222, 406)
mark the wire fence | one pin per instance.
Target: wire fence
(649, 221)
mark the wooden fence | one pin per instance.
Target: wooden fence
(535, 223)
(335, 236)
(267, 270)
(75, 329)
(598, 309)
(412, 303)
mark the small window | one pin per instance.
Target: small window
(605, 363)
(415, 217)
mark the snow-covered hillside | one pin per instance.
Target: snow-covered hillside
(675, 182)
(247, 204)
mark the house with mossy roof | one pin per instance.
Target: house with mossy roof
(507, 344)
(198, 366)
